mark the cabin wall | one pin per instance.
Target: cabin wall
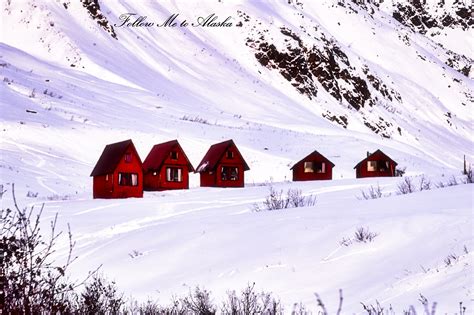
(208, 179)
(300, 175)
(158, 182)
(362, 170)
(134, 166)
(230, 183)
(102, 186)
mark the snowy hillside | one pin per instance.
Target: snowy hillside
(287, 77)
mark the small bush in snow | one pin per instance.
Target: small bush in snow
(469, 177)
(31, 194)
(372, 193)
(199, 302)
(425, 184)
(450, 259)
(100, 297)
(363, 235)
(406, 186)
(400, 171)
(250, 302)
(195, 119)
(276, 200)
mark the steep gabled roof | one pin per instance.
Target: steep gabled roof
(311, 154)
(111, 156)
(160, 152)
(378, 152)
(214, 155)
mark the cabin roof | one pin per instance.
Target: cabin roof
(315, 152)
(160, 152)
(378, 152)
(214, 155)
(111, 156)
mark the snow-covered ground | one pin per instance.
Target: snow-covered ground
(68, 88)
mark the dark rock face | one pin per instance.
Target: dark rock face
(93, 8)
(306, 66)
(416, 15)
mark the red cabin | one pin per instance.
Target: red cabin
(223, 166)
(118, 173)
(377, 164)
(313, 167)
(166, 167)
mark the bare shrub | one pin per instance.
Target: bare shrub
(199, 302)
(363, 235)
(32, 281)
(276, 200)
(31, 194)
(450, 259)
(195, 119)
(406, 186)
(321, 305)
(425, 184)
(100, 297)
(372, 193)
(376, 309)
(251, 302)
(469, 177)
(400, 171)
(452, 181)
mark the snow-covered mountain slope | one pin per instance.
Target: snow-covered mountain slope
(285, 79)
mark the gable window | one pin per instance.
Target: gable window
(229, 173)
(174, 155)
(308, 167)
(174, 174)
(128, 179)
(230, 154)
(128, 157)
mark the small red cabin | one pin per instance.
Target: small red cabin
(222, 166)
(166, 167)
(377, 164)
(313, 167)
(118, 173)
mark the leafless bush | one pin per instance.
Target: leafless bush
(363, 235)
(32, 281)
(31, 194)
(400, 171)
(195, 119)
(450, 259)
(376, 309)
(276, 200)
(199, 302)
(452, 181)
(321, 305)
(469, 177)
(406, 186)
(372, 193)
(100, 297)
(425, 184)
(250, 302)
(2, 191)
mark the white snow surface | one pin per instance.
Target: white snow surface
(152, 82)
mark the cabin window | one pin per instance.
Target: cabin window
(174, 155)
(308, 167)
(230, 154)
(229, 173)
(378, 166)
(128, 157)
(319, 167)
(128, 179)
(107, 177)
(174, 174)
